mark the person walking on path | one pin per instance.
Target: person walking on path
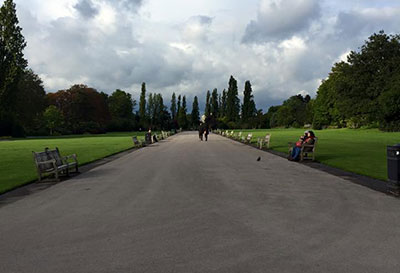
(206, 132)
(201, 131)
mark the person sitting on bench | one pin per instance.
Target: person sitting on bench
(307, 139)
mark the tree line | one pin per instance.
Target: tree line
(364, 91)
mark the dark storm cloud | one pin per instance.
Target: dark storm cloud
(86, 8)
(277, 20)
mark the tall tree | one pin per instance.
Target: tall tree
(248, 107)
(223, 104)
(178, 104)
(232, 101)
(173, 106)
(142, 106)
(150, 109)
(195, 116)
(31, 101)
(121, 104)
(214, 103)
(12, 64)
(182, 121)
(207, 110)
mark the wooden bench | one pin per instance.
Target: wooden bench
(264, 141)
(248, 138)
(51, 162)
(306, 150)
(137, 143)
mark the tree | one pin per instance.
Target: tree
(248, 106)
(223, 104)
(173, 106)
(195, 115)
(232, 101)
(179, 104)
(31, 101)
(142, 106)
(207, 110)
(84, 109)
(182, 121)
(150, 109)
(53, 118)
(121, 104)
(12, 64)
(214, 103)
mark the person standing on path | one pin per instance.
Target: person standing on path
(206, 132)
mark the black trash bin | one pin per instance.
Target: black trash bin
(393, 167)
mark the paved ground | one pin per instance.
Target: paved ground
(189, 206)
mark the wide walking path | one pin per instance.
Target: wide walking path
(188, 206)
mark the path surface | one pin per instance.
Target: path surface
(189, 206)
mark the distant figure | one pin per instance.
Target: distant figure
(201, 131)
(148, 137)
(308, 138)
(206, 132)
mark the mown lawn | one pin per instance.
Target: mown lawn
(361, 151)
(16, 160)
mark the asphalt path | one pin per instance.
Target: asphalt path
(183, 205)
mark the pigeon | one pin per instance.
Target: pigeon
(259, 158)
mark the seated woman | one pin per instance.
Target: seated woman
(307, 139)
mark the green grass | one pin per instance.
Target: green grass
(16, 161)
(361, 151)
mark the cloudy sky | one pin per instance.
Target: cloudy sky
(284, 47)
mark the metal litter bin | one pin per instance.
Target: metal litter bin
(393, 167)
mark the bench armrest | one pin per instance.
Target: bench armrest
(69, 156)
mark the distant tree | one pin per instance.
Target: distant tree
(142, 106)
(292, 113)
(12, 65)
(173, 106)
(207, 110)
(223, 104)
(30, 102)
(84, 109)
(150, 109)
(121, 104)
(232, 101)
(53, 118)
(195, 115)
(214, 103)
(182, 119)
(178, 104)
(248, 106)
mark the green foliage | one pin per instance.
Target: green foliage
(182, 118)
(12, 66)
(121, 104)
(173, 107)
(293, 112)
(248, 107)
(195, 115)
(214, 104)
(232, 101)
(142, 107)
(354, 94)
(53, 118)
(207, 110)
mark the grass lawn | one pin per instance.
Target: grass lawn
(361, 151)
(16, 160)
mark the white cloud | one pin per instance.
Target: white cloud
(190, 47)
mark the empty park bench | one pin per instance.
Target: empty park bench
(51, 162)
(264, 141)
(137, 143)
(239, 136)
(307, 150)
(248, 138)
